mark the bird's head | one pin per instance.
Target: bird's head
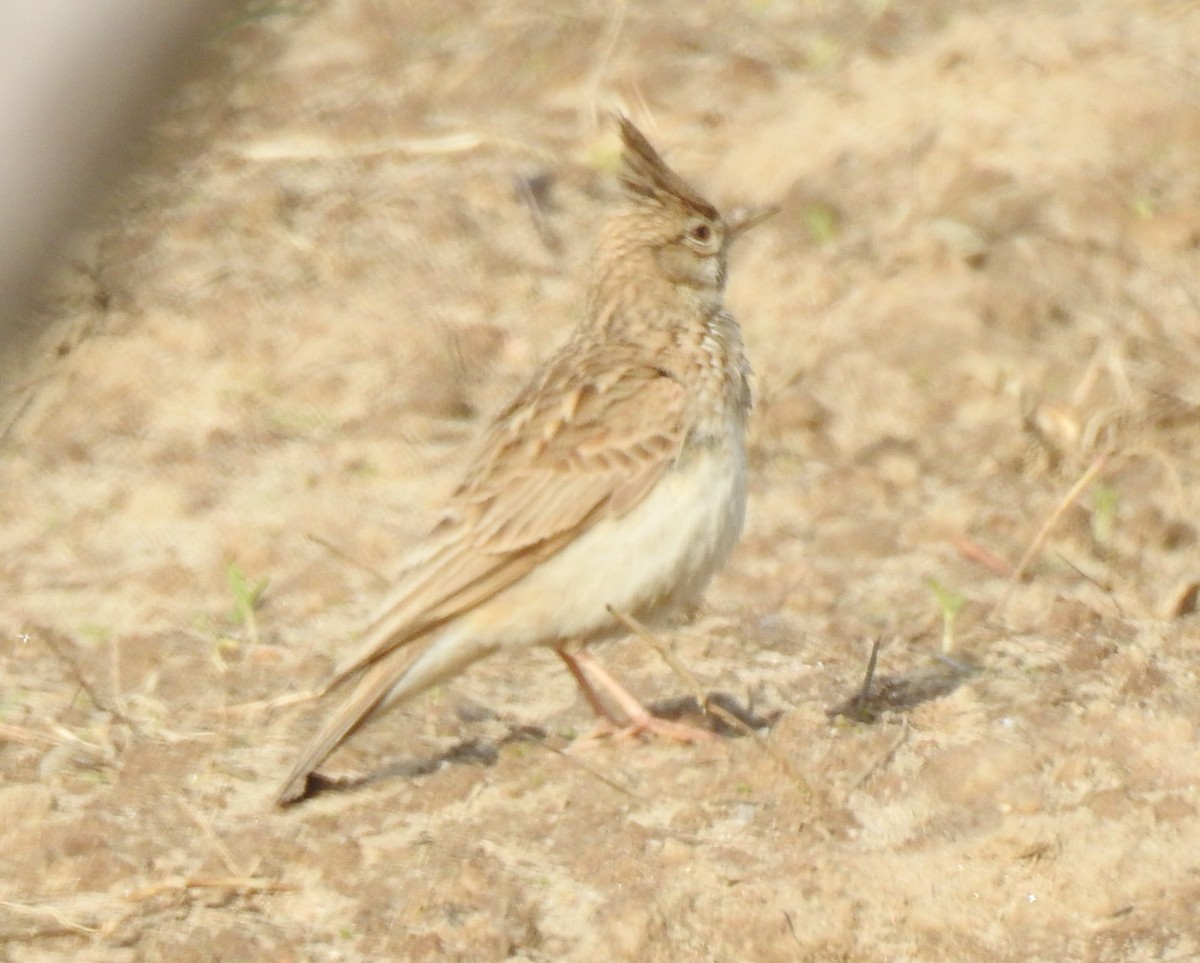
(663, 213)
(665, 231)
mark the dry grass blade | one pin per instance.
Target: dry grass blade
(60, 736)
(684, 674)
(65, 923)
(974, 552)
(81, 680)
(874, 765)
(275, 702)
(606, 49)
(16, 417)
(594, 772)
(1170, 467)
(237, 884)
(1072, 496)
(303, 148)
(206, 827)
(11, 733)
(346, 557)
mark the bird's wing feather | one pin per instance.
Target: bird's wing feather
(567, 452)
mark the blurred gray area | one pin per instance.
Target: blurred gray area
(78, 83)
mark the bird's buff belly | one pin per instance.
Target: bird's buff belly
(652, 560)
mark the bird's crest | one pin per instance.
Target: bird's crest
(645, 176)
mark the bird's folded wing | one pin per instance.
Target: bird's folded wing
(569, 451)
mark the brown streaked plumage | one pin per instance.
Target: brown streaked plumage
(616, 478)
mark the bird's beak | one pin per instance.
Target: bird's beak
(741, 219)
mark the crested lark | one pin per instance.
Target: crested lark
(617, 478)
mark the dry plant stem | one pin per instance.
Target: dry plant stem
(347, 557)
(792, 928)
(67, 924)
(680, 670)
(206, 827)
(81, 680)
(240, 884)
(116, 686)
(879, 761)
(11, 733)
(711, 707)
(593, 772)
(611, 36)
(12, 422)
(314, 149)
(1182, 502)
(277, 702)
(1067, 501)
(976, 553)
(1092, 580)
(65, 735)
(537, 214)
(864, 692)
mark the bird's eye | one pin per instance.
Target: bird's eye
(701, 233)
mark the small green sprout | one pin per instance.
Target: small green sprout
(245, 599)
(821, 220)
(949, 603)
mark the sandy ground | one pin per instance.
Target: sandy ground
(976, 329)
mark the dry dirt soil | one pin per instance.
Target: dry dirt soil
(975, 324)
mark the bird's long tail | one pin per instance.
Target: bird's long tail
(394, 679)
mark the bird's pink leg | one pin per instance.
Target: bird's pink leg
(585, 686)
(640, 719)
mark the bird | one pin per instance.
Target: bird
(614, 483)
